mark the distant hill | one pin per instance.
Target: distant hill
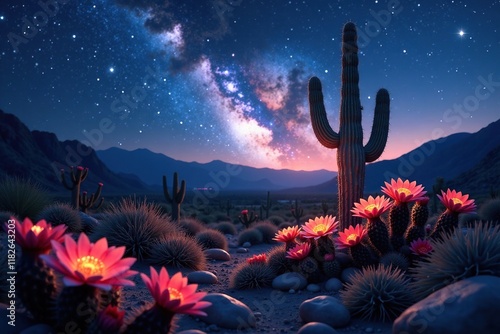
(481, 178)
(40, 156)
(465, 158)
(150, 167)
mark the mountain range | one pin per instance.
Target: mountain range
(468, 161)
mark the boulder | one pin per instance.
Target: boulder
(227, 312)
(217, 254)
(325, 309)
(202, 277)
(287, 281)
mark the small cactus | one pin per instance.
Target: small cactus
(395, 260)
(87, 202)
(325, 207)
(251, 276)
(297, 212)
(332, 268)
(77, 175)
(177, 195)
(247, 218)
(419, 216)
(266, 206)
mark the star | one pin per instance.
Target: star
(111, 70)
(461, 33)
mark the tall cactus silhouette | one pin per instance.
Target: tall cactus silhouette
(351, 154)
(177, 195)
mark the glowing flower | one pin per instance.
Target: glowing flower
(110, 319)
(404, 192)
(371, 208)
(351, 236)
(260, 258)
(287, 234)
(456, 202)
(36, 238)
(420, 247)
(86, 263)
(244, 212)
(299, 252)
(174, 293)
(319, 227)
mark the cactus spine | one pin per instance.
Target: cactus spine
(77, 177)
(419, 216)
(177, 195)
(378, 235)
(351, 154)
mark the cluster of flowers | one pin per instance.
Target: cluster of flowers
(89, 271)
(317, 236)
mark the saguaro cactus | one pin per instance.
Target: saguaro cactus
(78, 175)
(177, 195)
(266, 206)
(351, 154)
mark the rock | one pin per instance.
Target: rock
(347, 273)
(242, 250)
(289, 281)
(227, 312)
(21, 320)
(246, 244)
(316, 328)
(191, 331)
(325, 309)
(467, 306)
(217, 254)
(39, 329)
(202, 277)
(369, 330)
(333, 284)
(313, 287)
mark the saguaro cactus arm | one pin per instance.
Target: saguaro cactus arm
(177, 194)
(322, 129)
(378, 138)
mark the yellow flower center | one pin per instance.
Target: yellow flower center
(320, 228)
(422, 249)
(370, 207)
(89, 266)
(457, 200)
(300, 251)
(37, 229)
(175, 294)
(351, 238)
(406, 191)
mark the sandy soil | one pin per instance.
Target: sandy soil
(276, 312)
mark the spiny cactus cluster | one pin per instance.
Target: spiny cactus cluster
(81, 201)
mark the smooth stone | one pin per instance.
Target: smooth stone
(313, 287)
(39, 329)
(316, 328)
(325, 309)
(347, 273)
(242, 250)
(333, 284)
(288, 281)
(217, 254)
(227, 312)
(191, 331)
(202, 277)
(246, 244)
(467, 306)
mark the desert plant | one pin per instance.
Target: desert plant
(62, 214)
(191, 226)
(297, 212)
(285, 225)
(457, 256)
(225, 228)
(252, 235)
(418, 219)
(22, 197)
(310, 268)
(331, 268)
(395, 260)
(179, 251)
(137, 225)
(377, 293)
(266, 206)
(351, 155)
(247, 218)
(324, 208)
(267, 229)
(437, 187)
(277, 261)
(211, 239)
(251, 276)
(351, 239)
(276, 220)
(94, 201)
(490, 210)
(177, 195)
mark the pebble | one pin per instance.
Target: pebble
(202, 277)
(347, 273)
(246, 244)
(316, 328)
(313, 288)
(227, 312)
(333, 284)
(287, 281)
(369, 330)
(217, 254)
(325, 309)
(242, 250)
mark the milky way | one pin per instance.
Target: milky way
(201, 80)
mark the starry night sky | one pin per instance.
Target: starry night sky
(200, 80)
